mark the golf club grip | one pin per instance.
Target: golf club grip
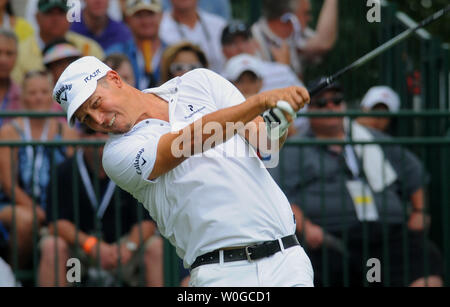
(319, 87)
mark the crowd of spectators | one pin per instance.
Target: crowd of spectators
(149, 42)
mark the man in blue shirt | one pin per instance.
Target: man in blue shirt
(97, 25)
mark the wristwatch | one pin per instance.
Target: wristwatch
(131, 246)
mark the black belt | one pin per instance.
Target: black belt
(250, 253)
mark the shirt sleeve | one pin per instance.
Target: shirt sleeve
(223, 93)
(129, 160)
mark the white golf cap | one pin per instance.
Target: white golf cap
(239, 64)
(381, 94)
(134, 6)
(77, 83)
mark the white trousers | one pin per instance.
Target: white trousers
(287, 268)
(7, 278)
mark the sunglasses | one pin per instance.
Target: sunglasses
(323, 102)
(182, 67)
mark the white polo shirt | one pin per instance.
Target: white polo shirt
(219, 199)
(207, 34)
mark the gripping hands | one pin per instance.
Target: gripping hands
(276, 122)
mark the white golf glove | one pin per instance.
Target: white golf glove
(276, 122)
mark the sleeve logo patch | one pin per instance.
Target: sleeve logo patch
(137, 164)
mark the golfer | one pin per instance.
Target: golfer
(172, 148)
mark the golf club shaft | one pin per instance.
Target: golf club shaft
(376, 52)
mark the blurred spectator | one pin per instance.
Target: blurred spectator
(114, 11)
(284, 37)
(97, 25)
(237, 39)
(244, 72)
(337, 190)
(185, 22)
(122, 65)
(221, 8)
(122, 235)
(25, 172)
(8, 21)
(381, 99)
(58, 55)
(145, 50)
(53, 25)
(181, 58)
(9, 91)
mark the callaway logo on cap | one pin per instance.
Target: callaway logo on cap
(77, 83)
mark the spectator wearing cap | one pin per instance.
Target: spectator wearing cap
(237, 39)
(97, 25)
(244, 72)
(382, 99)
(284, 37)
(337, 190)
(180, 59)
(185, 22)
(145, 48)
(58, 55)
(9, 21)
(9, 90)
(53, 25)
(220, 8)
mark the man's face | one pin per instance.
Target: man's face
(58, 67)
(145, 24)
(53, 24)
(378, 123)
(239, 45)
(329, 101)
(8, 56)
(304, 13)
(248, 84)
(97, 8)
(37, 93)
(184, 4)
(184, 62)
(105, 111)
